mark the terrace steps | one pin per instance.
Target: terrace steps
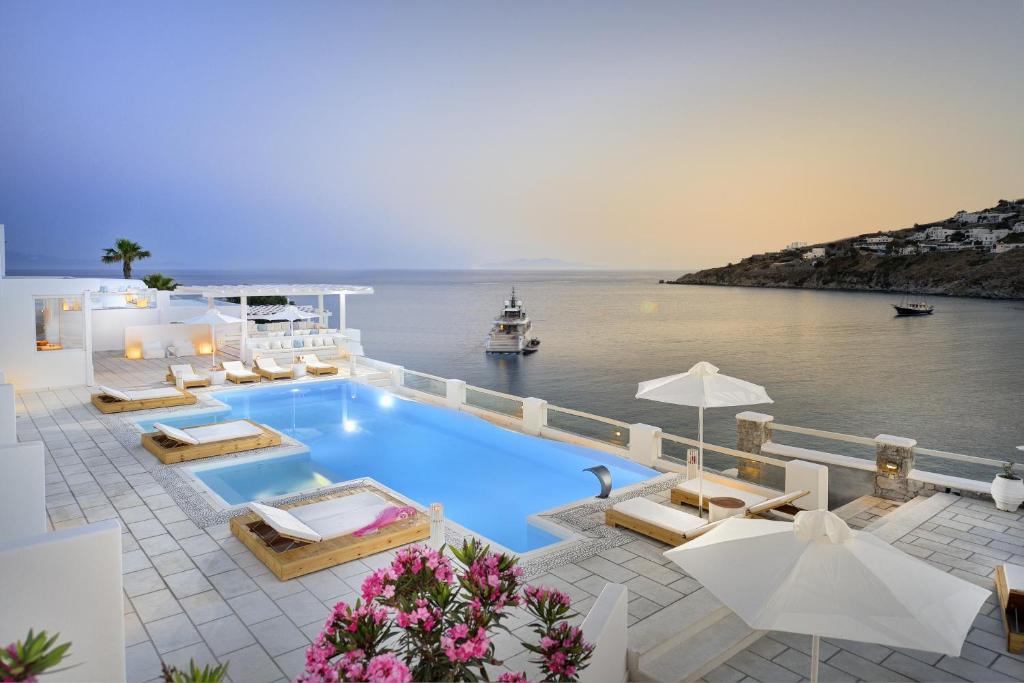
(686, 640)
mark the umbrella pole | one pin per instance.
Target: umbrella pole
(213, 338)
(815, 656)
(700, 461)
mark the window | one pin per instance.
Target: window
(59, 323)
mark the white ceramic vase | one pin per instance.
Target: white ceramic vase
(1007, 493)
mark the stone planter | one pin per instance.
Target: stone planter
(1007, 493)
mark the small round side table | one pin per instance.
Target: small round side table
(724, 506)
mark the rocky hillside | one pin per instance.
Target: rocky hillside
(954, 265)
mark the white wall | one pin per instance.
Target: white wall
(605, 627)
(135, 337)
(26, 367)
(69, 582)
(109, 325)
(8, 414)
(22, 490)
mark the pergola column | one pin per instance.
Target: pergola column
(341, 312)
(320, 310)
(243, 302)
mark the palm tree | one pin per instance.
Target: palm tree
(160, 281)
(124, 252)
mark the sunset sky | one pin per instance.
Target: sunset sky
(632, 135)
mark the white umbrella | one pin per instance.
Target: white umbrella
(213, 317)
(290, 313)
(702, 387)
(816, 576)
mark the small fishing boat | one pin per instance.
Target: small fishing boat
(913, 306)
(510, 330)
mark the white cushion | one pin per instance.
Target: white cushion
(115, 393)
(713, 489)
(142, 395)
(341, 516)
(268, 364)
(276, 344)
(175, 433)
(182, 370)
(235, 367)
(316, 341)
(224, 431)
(659, 515)
(284, 523)
(328, 341)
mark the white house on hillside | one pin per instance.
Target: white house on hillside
(793, 246)
(1019, 226)
(939, 234)
(815, 253)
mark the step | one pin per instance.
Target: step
(909, 516)
(702, 653)
(667, 627)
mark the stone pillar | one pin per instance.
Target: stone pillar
(752, 431)
(535, 415)
(894, 459)
(644, 444)
(455, 393)
(397, 376)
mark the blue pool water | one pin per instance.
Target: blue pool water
(489, 479)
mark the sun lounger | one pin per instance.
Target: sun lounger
(310, 535)
(315, 366)
(172, 445)
(687, 493)
(674, 526)
(238, 373)
(118, 401)
(189, 377)
(268, 367)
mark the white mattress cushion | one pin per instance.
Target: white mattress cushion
(328, 341)
(284, 523)
(341, 516)
(175, 433)
(223, 431)
(235, 367)
(116, 393)
(659, 515)
(713, 489)
(164, 392)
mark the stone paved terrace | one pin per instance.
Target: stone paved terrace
(198, 593)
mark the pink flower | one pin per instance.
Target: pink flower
(387, 668)
(474, 647)
(513, 677)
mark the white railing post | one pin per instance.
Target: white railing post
(455, 393)
(397, 376)
(535, 415)
(644, 444)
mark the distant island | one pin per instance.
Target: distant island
(537, 264)
(976, 254)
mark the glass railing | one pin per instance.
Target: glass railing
(494, 401)
(428, 384)
(604, 429)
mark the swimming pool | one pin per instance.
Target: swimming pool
(490, 479)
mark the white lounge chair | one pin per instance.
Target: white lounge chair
(111, 400)
(688, 492)
(668, 525)
(268, 367)
(238, 373)
(188, 376)
(310, 535)
(315, 366)
(171, 444)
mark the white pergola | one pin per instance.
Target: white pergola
(243, 292)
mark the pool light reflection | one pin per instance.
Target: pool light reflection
(386, 401)
(349, 425)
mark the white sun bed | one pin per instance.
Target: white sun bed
(211, 433)
(238, 373)
(644, 516)
(268, 367)
(315, 366)
(111, 400)
(324, 520)
(188, 376)
(689, 491)
(140, 394)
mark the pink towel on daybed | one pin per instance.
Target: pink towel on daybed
(387, 516)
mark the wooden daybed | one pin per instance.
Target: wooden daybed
(171, 446)
(189, 377)
(688, 493)
(268, 367)
(116, 401)
(288, 556)
(315, 366)
(673, 526)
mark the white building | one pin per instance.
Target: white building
(963, 217)
(880, 239)
(793, 246)
(1019, 226)
(939, 234)
(1001, 248)
(815, 253)
(53, 325)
